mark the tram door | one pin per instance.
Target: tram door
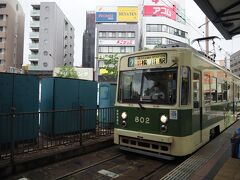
(197, 112)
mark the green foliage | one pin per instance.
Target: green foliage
(67, 72)
(111, 63)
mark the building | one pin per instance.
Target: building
(52, 39)
(11, 35)
(117, 33)
(88, 54)
(235, 63)
(163, 22)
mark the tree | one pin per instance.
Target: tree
(111, 62)
(67, 72)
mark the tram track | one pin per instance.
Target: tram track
(155, 171)
(106, 163)
(88, 167)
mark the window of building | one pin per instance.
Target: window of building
(1, 17)
(153, 40)
(116, 49)
(2, 5)
(45, 64)
(165, 28)
(110, 34)
(2, 61)
(34, 63)
(45, 53)
(2, 51)
(47, 8)
(1, 29)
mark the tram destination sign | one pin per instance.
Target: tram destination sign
(149, 60)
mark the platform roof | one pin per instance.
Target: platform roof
(224, 14)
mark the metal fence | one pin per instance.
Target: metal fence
(26, 133)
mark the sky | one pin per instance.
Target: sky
(75, 11)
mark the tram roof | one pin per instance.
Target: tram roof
(224, 14)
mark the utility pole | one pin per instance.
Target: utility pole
(207, 34)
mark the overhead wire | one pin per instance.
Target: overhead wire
(191, 23)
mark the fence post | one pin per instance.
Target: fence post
(13, 117)
(81, 124)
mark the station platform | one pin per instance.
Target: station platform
(212, 161)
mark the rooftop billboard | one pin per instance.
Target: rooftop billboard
(116, 14)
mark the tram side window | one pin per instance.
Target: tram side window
(213, 89)
(238, 91)
(225, 91)
(206, 88)
(235, 92)
(230, 92)
(185, 87)
(220, 91)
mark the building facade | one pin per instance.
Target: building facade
(235, 63)
(51, 39)
(11, 36)
(117, 34)
(163, 23)
(88, 54)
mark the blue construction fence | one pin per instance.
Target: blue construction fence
(37, 112)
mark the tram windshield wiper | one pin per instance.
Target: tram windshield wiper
(140, 105)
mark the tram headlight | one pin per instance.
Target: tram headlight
(164, 119)
(124, 115)
(124, 123)
(163, 128)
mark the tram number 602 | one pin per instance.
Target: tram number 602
(142, 120)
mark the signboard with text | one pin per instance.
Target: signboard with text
(106, 16)
(116, 14)
(151, 60)
(127, 14)
(116, 42)
(160, 11)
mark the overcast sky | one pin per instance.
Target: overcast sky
(75, 10)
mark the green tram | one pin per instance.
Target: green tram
(198, 100)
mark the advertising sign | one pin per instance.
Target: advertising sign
(160, 11)
(116, 42)
(106, 16)
(127, 14)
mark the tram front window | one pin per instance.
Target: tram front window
(155, 86)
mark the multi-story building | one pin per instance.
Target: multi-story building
(11, 35)
(235, 63)
(52, 39)
(117, 33)
(163, 22)
(88, 54)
